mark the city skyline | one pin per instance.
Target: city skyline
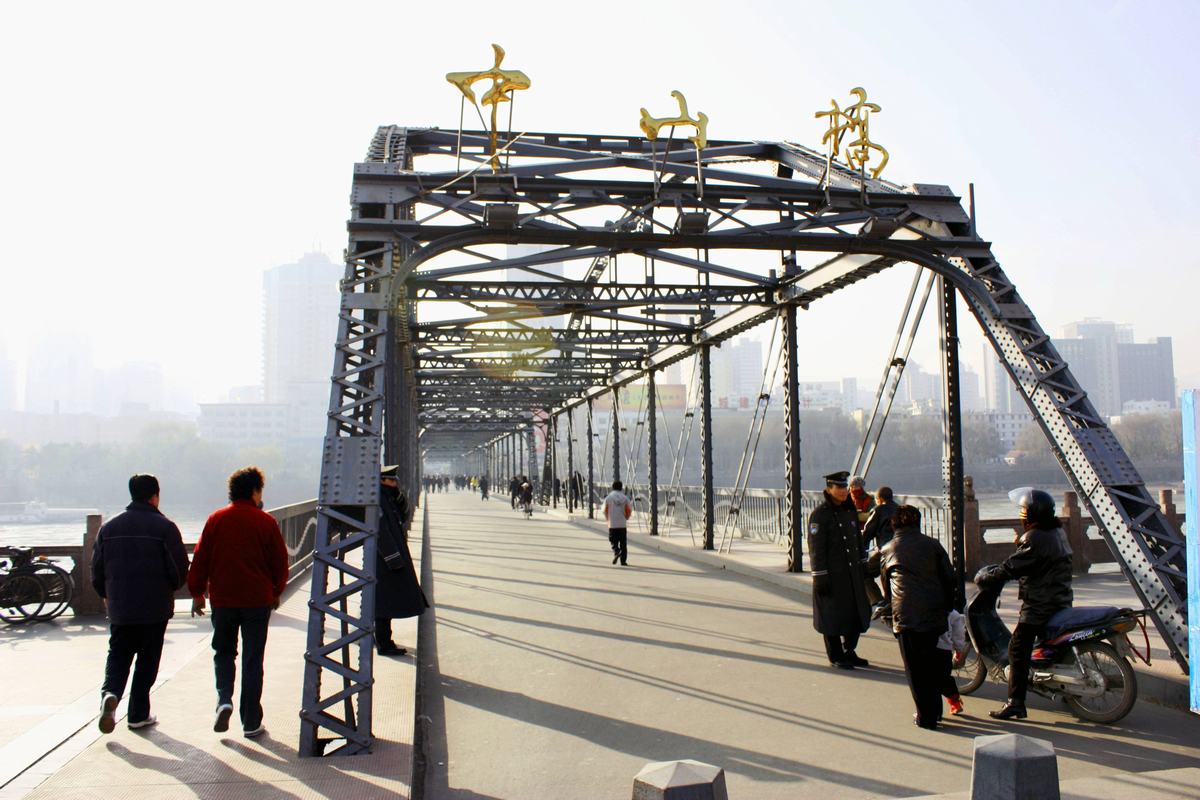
(267, 180)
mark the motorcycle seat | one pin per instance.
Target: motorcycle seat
(1078, 617)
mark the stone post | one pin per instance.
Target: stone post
(86, 602)
(1072, 522)
(680, 780)
(1014, 767)
(972, 530)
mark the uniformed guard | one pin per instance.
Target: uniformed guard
(840, 608)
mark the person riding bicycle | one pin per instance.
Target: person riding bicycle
(526, 493)
(1042, 563)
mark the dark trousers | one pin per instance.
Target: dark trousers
(927, 668)
(383, 633)
(619, 539)
(252, 624)
(1020, 652)
(126, 642)
(837, 647)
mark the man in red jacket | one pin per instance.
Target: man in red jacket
(241, 563)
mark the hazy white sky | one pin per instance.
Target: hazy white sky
(155, 157)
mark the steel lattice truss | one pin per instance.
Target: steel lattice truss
(588, 261)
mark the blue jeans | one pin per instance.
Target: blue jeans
(252, 624)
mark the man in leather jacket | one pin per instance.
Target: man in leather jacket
(918, 584)
(1042, 564)
(840, 608)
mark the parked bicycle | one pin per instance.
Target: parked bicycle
(32, 588)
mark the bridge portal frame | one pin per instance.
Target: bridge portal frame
(383, 387)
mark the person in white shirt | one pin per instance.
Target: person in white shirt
(617, 510)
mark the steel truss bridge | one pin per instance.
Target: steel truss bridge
(587, 262)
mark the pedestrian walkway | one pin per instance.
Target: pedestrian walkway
(551, 672)
(51, 747)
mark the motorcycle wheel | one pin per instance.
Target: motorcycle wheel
(1101, 660)
(969, 671)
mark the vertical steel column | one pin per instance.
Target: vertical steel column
(794, 518)
(652, 411)
(531, 454)
(553, 459)
(572, 498)
(616, 435)
(952, 453)
(591, 494)
(706, 443)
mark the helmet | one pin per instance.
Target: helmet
(1037, 507)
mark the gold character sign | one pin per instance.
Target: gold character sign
(504, 83)
(652, 125)
(855, 120)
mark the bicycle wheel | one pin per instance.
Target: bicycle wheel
(60, 588)
(21, 597)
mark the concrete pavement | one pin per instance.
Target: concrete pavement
(549, 672)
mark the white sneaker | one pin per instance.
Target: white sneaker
(254, 734)
(224, 712)
(146, 723)
(108, 710)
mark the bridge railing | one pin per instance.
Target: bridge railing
(761, 517)
(297, 523)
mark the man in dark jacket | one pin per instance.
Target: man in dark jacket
(1043, 565)
(878, 529)
(918, 584)
(241, 564)
(397, 593)
(138, 563)
(840, 608)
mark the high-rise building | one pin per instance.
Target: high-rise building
(1147, 372)
(134, 385)
(737, 373)
(300, 307)
(1000, 393)
(1114, 369)
(60, 377)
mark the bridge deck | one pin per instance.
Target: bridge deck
(552, 673)
(51, 677)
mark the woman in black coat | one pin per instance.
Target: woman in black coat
(397, 592)
(918, 582)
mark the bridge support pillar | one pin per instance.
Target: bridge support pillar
(652, 412)
(794, 508)
(591, 479)
(952, 452)
(706, 444)
(616, 434)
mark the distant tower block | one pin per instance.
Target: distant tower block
(680, 780)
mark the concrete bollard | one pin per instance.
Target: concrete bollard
(1014, 767)
(680, 780)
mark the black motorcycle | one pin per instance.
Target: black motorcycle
(1083, 660)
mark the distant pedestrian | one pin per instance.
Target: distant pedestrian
(918, 582)
(840, 608)
(483, 488)
(876, 533)
(138, 563)
(514, 489)
(398, 595)
(241, 564)
(863, 502)
(617, 511)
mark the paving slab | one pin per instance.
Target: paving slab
(62, 755)
(551, 672)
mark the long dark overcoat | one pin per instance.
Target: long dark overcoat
(397, 592)
(835, 550)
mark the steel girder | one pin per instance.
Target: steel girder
(592, 202)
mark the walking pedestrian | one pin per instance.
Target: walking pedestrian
(138, 562)
(398, 595)
(617, 511)
(840, 608)
(918, 583)
(241, 564)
